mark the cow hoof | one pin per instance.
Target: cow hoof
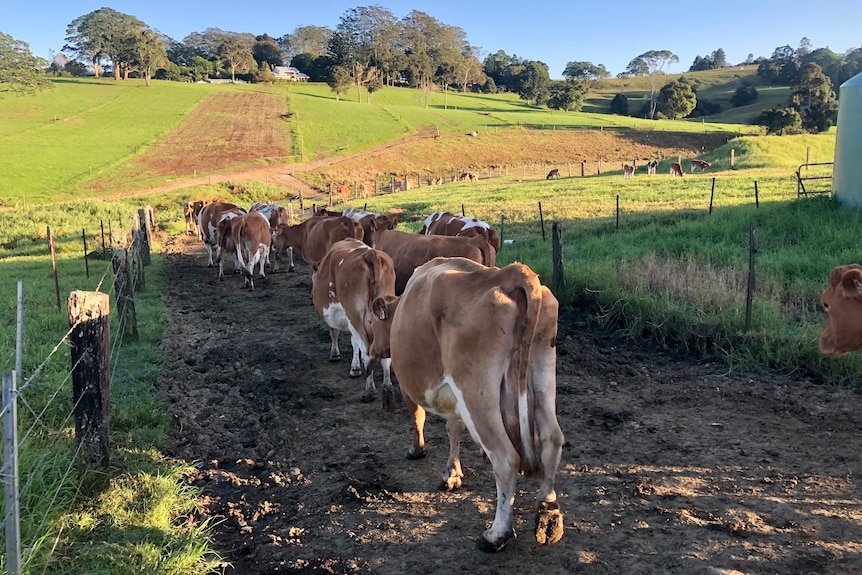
(356, 372)
(494, 546)
(388, 400)
(450, 484)
(334, 358)
(549, 523)
(368, 397)
(416, 452)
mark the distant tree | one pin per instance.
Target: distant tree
(780, 65)
(20, 71)
(586, 72)
(373, 82)
(701, 63)
(264, 73)
(744, 95)
(105, 33)
(676, 99)
(719, 58)
(705, 108)
(780, 121)
(266, 50)
(804, 49)
(311, 40)
(534, 82)
(149, 53)
(567, 95)
(75, 68)
(813, 97)
(315, 67)
(235, 50)
(655, 64)
(620, 105)
(339, 80)
(201, 69)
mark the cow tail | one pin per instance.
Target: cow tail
(524, 287)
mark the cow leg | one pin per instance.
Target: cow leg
(452, 479)
(387, 392)
(291, 267)
(417, 450)
(334, 352)
(209, 250)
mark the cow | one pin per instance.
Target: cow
(208, 220)
(699, 165)
(314, 236)
(629, 170)
(555, 173)
(251, 237)
(470, 176)
(475, 345)
(676, 169)
(842, 302)
(651, 166)
(354, 283)
(367, 189)
(189, 213)
(448, 224)
(276, 215)
(370, 222)
(343, 193)
(409, 251)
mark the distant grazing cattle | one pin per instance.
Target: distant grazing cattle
(629, 170)
(676, 169)
(354, 285)
(475, 345)
(208, 221)
(842, 302)
(651, 166)
(555, 173)
(470, 176)
(251, 237)
(448, 224)
(343, 193)
(699, 165)
(409, 251)
(367, 189)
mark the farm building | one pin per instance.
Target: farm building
(288, 73)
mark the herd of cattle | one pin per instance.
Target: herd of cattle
(630, 169)
(470, 342)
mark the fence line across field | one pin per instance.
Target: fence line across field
(38, 414)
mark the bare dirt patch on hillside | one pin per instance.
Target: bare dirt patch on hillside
(671, 465)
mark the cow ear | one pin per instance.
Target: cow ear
(378, 306)
(315, 265)
(851, 282)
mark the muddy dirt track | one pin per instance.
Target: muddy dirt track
(670, 465)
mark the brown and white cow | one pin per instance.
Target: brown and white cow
(676, 169)
(842, 302)
(629, 170)
(276, 215)
(370, 222)
(250, 236)
(699, 165)
(354, 284)
(314, 236)
(208, 220)
(409, 251)
(475, 345)
(449, 224)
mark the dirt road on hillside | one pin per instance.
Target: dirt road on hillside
(670, 465)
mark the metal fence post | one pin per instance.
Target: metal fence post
(10, 474)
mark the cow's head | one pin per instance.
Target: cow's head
(842, 302)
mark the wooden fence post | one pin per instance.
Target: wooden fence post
(54, 265)
(86, 259)
(732, 155)
(502, 221)
(124, 293)
(558, 280)
(749, 292)
(542, 221)
(104, 249)
(583, 167)
(711, 196)
(144, 236)
(137, 263)
(89, 316)
(618, 211)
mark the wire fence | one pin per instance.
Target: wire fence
(45, 466)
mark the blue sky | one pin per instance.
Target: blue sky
(610, 33)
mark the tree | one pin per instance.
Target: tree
(20, 71)
(266, 50)
(105, 33)
(567, 95)
(744, 95)
(780, 121)
(676, 99)
(311, 40)
(315, 67)
(339, 80)
(719, 58)
(586, 72)
(235, 50)
(653, 64)
(813, 97)
(149, 53)
(620, 105)
(534, 82)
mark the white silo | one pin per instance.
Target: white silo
(847, 170)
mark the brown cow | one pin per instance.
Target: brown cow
(676, 169)
(343, 193)
(354, 282)
(842, 301)
(409, 251)
(370, 222)
(629, 170)
(189, 213)
(367, 189)
(699, 165)
(475, 345)
(448, 224)
(276, 215)
(208, 220)
(555, 173)
(251, 237)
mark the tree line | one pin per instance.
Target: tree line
(371, 48)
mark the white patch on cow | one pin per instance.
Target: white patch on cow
(472, 223)
(430, 220)
(432, 397)
(341, 261)
(360, 350)
(335, 316)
